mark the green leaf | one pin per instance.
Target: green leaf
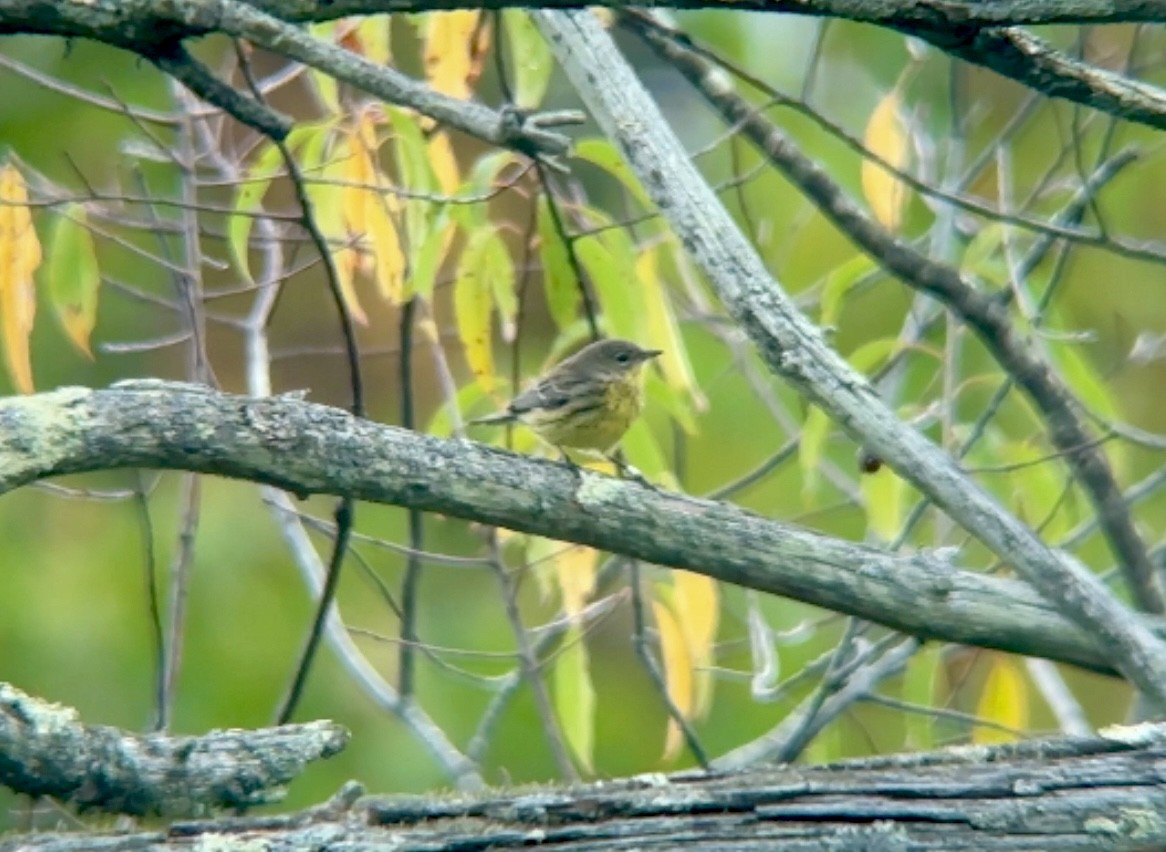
(873, 353)
(530, 58)
(838, 285)
(73, 276)
(643, 453)
(249, 198)
(326, 86)
(409, 151)
(1084, 380)
(984, 256)
(498, 268)
(575, 697)
(414, 174)
(468, 398)
(603, 154)
(609, 258)
(811, 447)
(661, 395)
(924, 670)
(559, 283)
(427, 260)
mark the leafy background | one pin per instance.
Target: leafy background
(74, 625)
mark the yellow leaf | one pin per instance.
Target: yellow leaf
(390, 267)
(575, 571)
(882, 494)
(698, 609)
(20, 255)
(444, 163)
(369, 213)
(663, 332)
(888, 137)
(455, 46)
(329, 204)
(1004, 700)
(473, 306)
(677, 674)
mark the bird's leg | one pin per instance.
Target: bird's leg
(570, 462)
(626, 470)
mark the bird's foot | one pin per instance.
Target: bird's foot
(627, 471)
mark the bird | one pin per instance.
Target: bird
(586, 402)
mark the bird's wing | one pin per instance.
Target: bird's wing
(552, 392)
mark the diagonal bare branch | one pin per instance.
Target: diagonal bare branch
(796, 350)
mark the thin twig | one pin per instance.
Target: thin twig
(406, 658)
(644, 652)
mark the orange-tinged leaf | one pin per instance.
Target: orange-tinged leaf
(677, 673)
(575, 570)
(887, 136)
(374, 37)
(698, 610)
(20, 255)
(455, 46)
(72, 276)
(389, 257)
(1004, 700)
(574, 697)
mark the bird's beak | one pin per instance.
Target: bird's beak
(648, 354)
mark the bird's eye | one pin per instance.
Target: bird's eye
(623, 357)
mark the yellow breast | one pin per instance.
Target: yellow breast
(601, 427)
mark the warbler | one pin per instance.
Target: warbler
(586, 402)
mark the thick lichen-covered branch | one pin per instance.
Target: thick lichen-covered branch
(45, 750)
(308, 449)
(1102, 792)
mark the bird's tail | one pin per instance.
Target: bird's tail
(493, 419)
